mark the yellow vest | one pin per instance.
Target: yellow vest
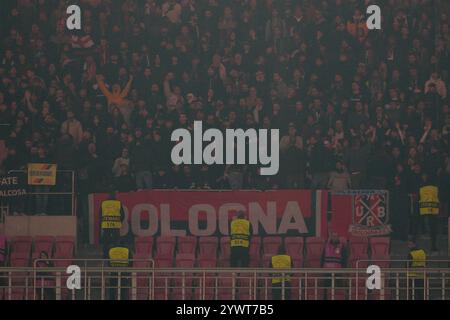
(429, 200)
(419, 261)
(111, 214)
(119, 256)
(240, 233)
(281, 262)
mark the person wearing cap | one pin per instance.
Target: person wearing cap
(240, 234)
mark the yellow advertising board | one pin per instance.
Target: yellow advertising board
(42, 174)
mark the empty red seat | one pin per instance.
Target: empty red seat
(206, 262)
(255, 246)
(207, 279)
(142, 278)
(165, 246)
(185, 260)
(225, 251)
(294, 246)
(19, 260)
(314, 249)
(271, 245)
(163, 280)
(380, 249)
(21, 244)
(184, 280)
(358, 250)
(225, 247)
(64, 247)
(187, 245)
(143, 246)
(208, 246)
(225, 286)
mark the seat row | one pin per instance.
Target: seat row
(305, 252)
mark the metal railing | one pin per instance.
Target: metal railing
(57, 196)
(145, 282)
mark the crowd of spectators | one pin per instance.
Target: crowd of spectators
(357, 108)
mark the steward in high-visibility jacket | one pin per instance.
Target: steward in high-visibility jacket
(281, 261)
(119, 257)
(281, 282)
(112, 215)
(240, 233)
(418, 259)
(429, 200)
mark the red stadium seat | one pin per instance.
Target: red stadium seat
(358, 250)
(143, 246)
(271, 245)
(314, 249)
(19, 260)
(208, 278)
(206, 262)
(165, 246)
(208, 246)
(225, 248)
(380, 249)
(64, 247)
(184, 260)
(163, 281)
(225, 287)
(142, 279)
(225, 251)
(255, 247)
(21, 244)
(294, 247)
(187, 244)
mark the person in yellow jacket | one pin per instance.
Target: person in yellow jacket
(429, 208)
(119, 256)
(111, 218)
(240, 234)
(417, 259)
(281, 281)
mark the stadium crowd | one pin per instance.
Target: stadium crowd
(357, 109)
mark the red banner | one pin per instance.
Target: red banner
(198, 213)
(360, 214)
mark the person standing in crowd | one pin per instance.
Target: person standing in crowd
(429, 208)
(281, 283)
(240, 237)
(112, 215)
(417, 258)
(339, 178)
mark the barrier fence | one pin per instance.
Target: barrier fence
(98, 281)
